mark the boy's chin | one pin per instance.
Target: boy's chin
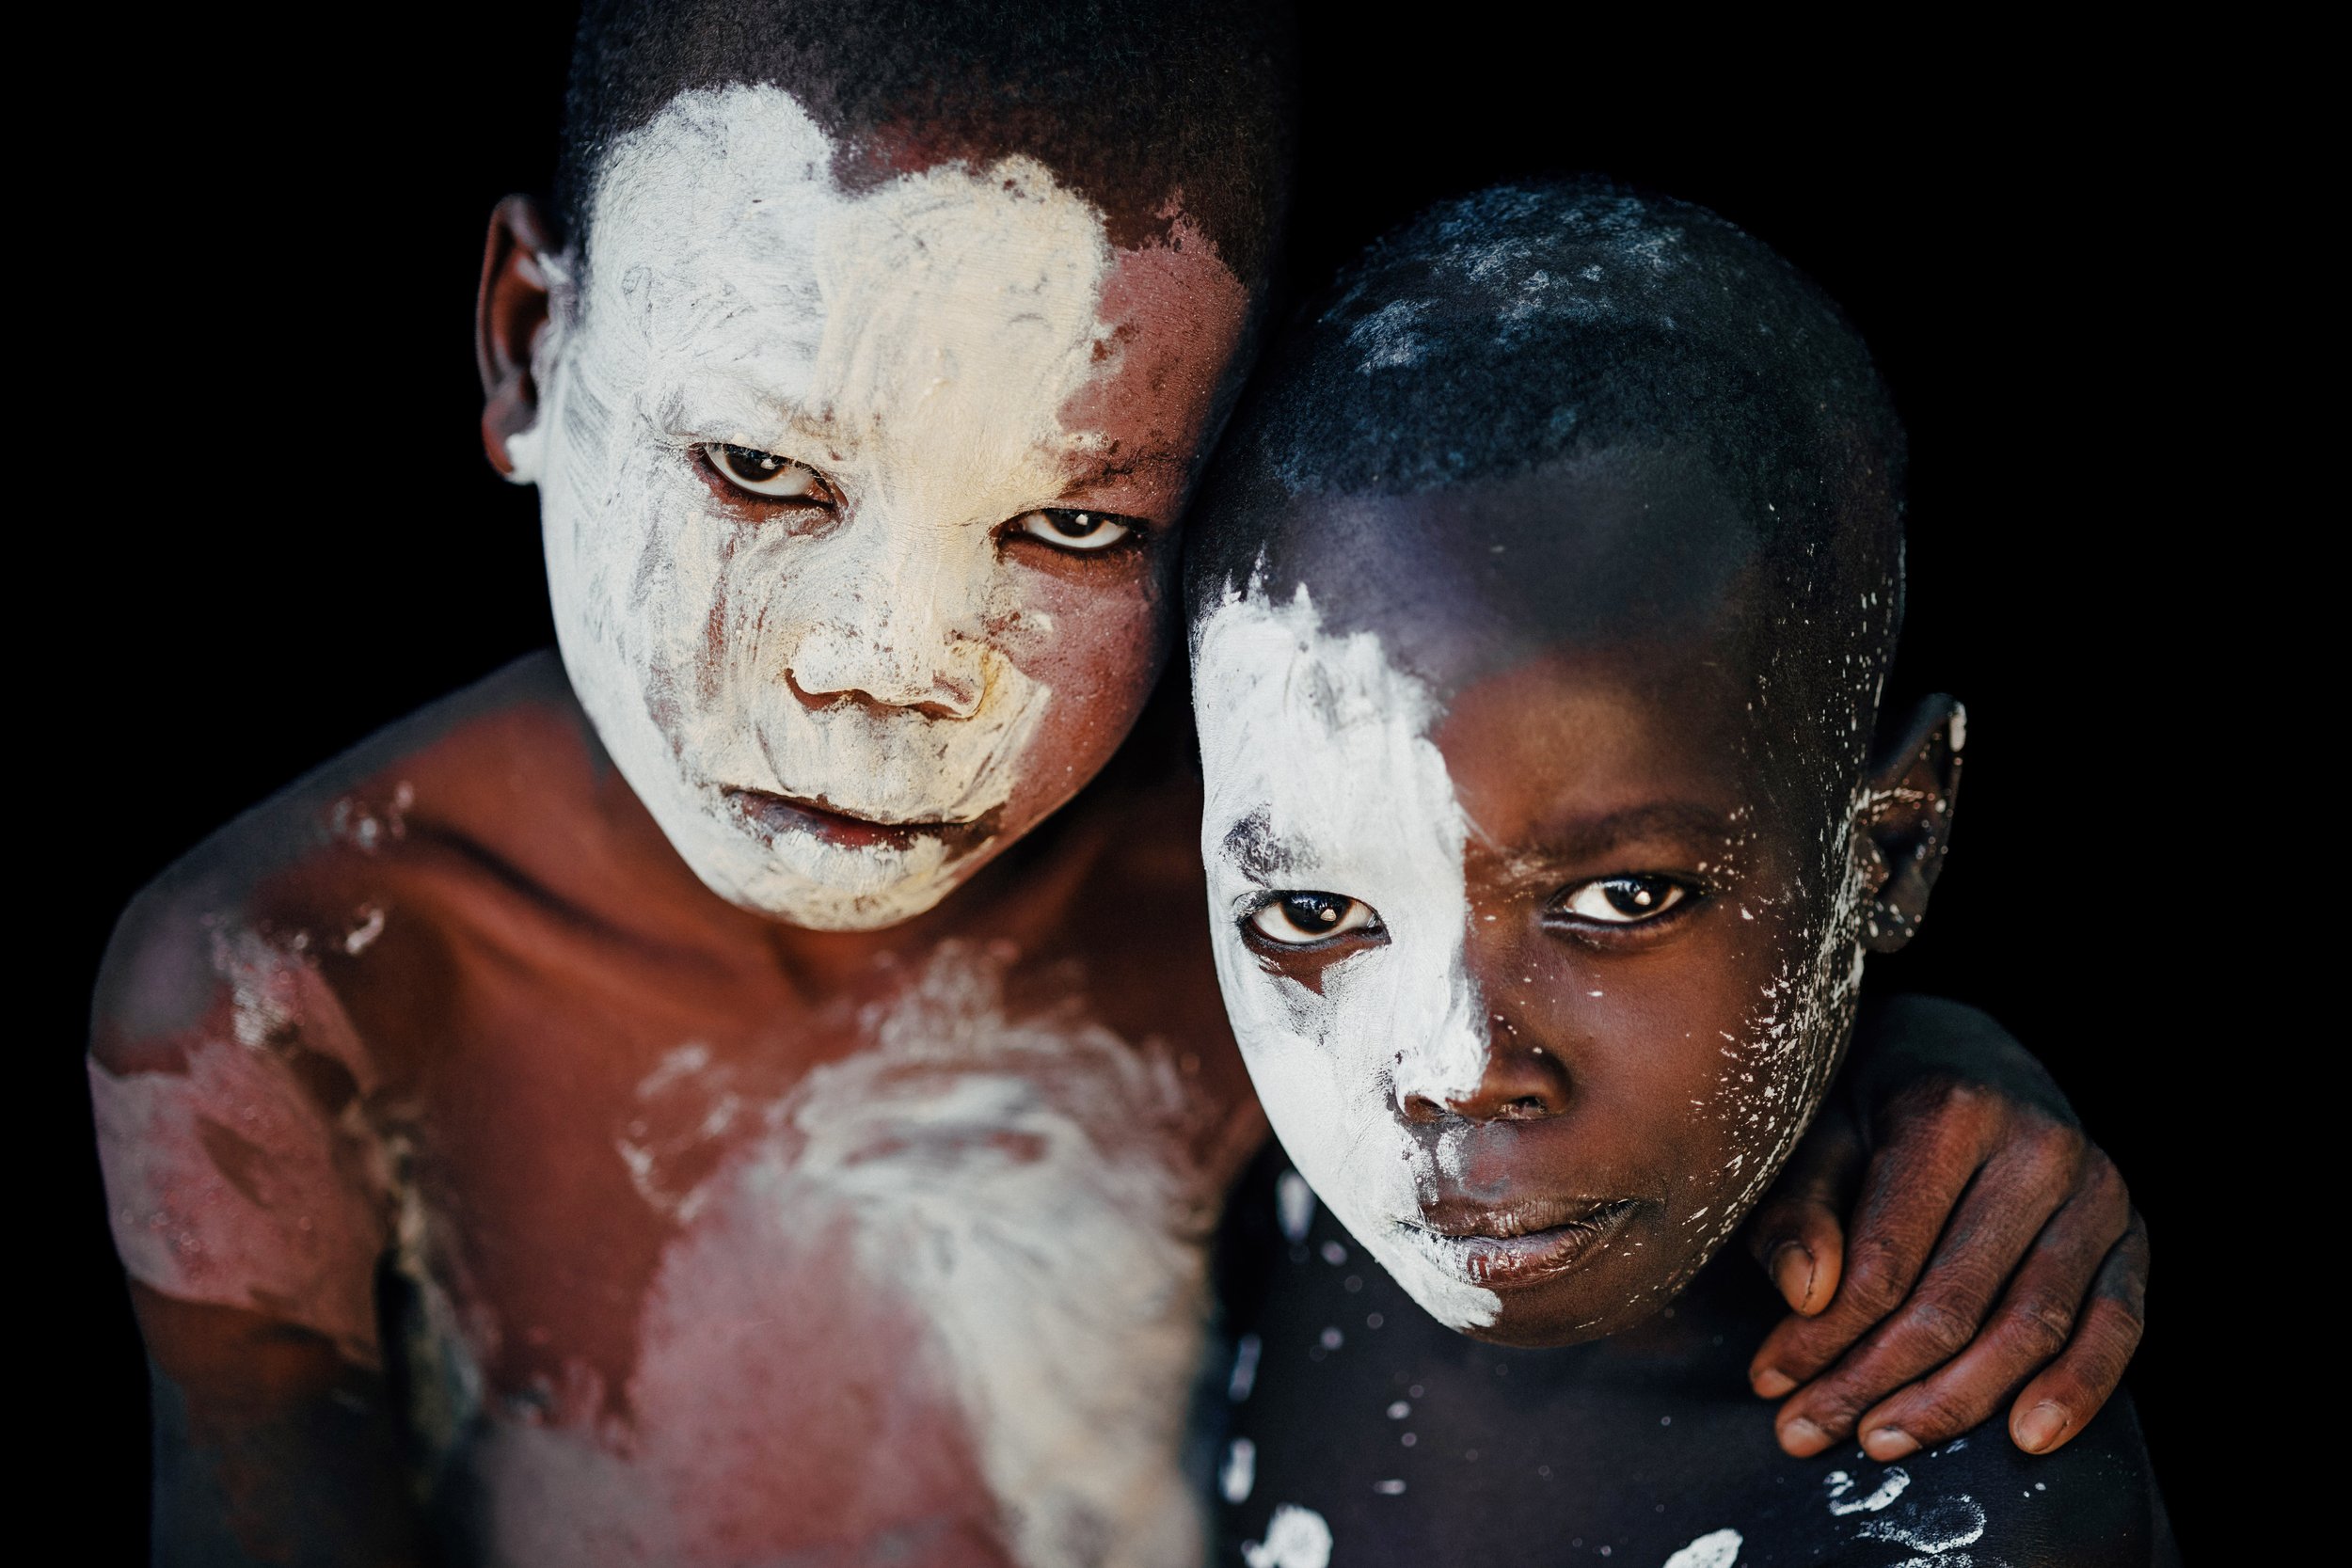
(872, 898)
(1575, 1309)
(1529, 1325)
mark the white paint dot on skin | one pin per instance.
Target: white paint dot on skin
(1245, 1376)
(1841, 1485)
(1388, 1488)
(1938, 1526)
(1240, 1471)
(362, 936)
(1399, 1410)
(1295, 1537)
(1715, 1549)
(1294, 1206)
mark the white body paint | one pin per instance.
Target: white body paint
(916, 342)
(1715, 1549)
(1295, 1537)
(1325, 742)
(1019, 1186)
(1890, 1486)
(1024, 1182)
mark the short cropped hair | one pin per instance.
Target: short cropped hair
(1133, 104)
(1533, 323)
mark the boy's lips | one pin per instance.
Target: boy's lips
(775, 815)
(1507, 1246)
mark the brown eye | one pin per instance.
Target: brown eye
(1075, 530)
(767, 475)
(1623, 901)
(1295, 919)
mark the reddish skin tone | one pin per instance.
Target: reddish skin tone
(543, 950)
(476, 1056)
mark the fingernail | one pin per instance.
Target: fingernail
(1802, 1438)
(2040, 1427)
(1886, 1443)
(1772, 1383)
(1793, 1272)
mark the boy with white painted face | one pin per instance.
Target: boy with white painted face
(580, 1126)
(1542, 601)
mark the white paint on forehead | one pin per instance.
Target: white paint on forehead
(1322, 745)
(916, 342)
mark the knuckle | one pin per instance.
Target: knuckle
(2055, 1145)
(2040, 1326)
(2104, 1181)
(1879, 1275)
(1938, 1327)
(1934, 1412)
(1937, 1097)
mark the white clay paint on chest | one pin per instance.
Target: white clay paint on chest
(1321, 744)
(1019, 1186)
(916, 342)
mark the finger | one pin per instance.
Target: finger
(2011, 1203)
(1798, 1232)
(2032, 1326)
(2071, 1389)
(1907, 1192)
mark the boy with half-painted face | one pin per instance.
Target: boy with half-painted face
(597, 1118)
(1542, 603)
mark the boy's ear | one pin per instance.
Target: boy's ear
(510, 313)
(1915, 778)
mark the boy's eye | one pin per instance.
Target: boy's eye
(769, 477)
(1075, 530)
(1622, 900)
(1295, 918)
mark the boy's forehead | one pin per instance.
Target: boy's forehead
(1618, 554)
(723, 229)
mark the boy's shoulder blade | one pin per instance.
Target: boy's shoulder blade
(1413, 1444)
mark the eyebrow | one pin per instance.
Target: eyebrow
(1261, 854)
(1586, 837)
(1125, 468)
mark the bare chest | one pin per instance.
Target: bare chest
(670, 1300)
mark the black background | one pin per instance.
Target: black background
(284, 536)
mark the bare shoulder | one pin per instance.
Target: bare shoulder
(308, 857)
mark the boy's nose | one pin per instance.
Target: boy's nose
(863, 666)
(891, 622)
(1521, 1081)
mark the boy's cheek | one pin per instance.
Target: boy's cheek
(1096, 637)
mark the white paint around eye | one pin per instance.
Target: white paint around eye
(1325, 742)
(914, 342)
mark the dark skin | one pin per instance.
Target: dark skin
(1641, 1443)
(456, 960)
(1650, 849)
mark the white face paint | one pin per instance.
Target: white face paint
(915, 344)
(1322, 746)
